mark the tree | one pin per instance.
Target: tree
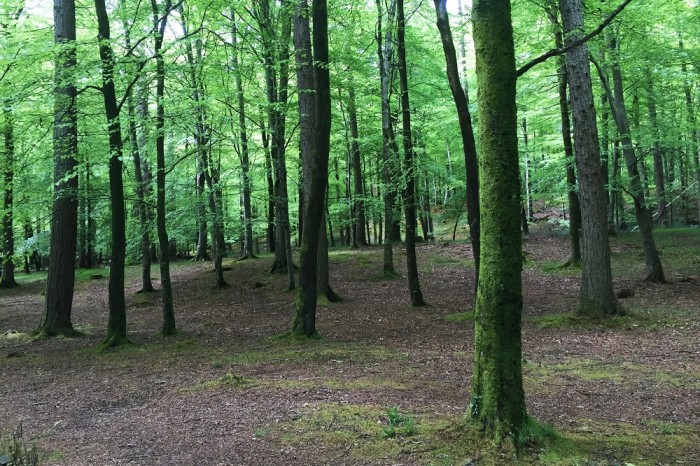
(461, 100)
(304, 323)
(244, 153)
(572, 195)
(655, 272)
(159, 25)
(384, 53)
(497, 403)
(306, 101)
(116, 326)
(408, 165)
(60, 281)
(597, 297)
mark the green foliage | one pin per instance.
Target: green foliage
(15, 450)
(398, 424)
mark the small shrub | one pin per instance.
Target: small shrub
(398, 423)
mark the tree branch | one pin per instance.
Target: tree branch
(555, 52)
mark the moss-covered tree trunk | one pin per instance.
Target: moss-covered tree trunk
(60, 281)
(597, 297)
(304, 323)
(497, 400)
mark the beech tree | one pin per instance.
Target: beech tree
(497, 403)
(597, 297)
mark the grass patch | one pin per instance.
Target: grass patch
(228, 380)
(284, 350)
(569, 320)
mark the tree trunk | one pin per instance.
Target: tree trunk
(497, 404)
(159, 25)
(692, 122)
(408, 165)
(471, 162)
(572, 196)
(384, 52)
(136, 151)
(245, 156)
(271, 233)
(304, 323)
(659, 178)
(655, 271)
(60, 281)
(359, 204)
(276, 90)
(305, 86)
(597, 296)
(8, 246)
(116, 326)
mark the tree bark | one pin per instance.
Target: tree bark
(304, 323)
(461, 99)
(384, 53)
(306, 98)
(359, 204)
(159, 25)
(497, 404)
(116, 326)
(60, 281)
(659, 179)
(136, 153)
(245, 155)
(409, 197)
(692, 122)
(572, 197)
(276, 50)
(8, 246)
(597, 296)
(655, 272)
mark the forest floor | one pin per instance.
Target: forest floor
(387, 384)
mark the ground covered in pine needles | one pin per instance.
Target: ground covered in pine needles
(387, 384)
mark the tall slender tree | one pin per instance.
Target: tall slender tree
(461, 100)
(60, 282)
(572, 195)
(597, 297)
(497, 404)
(655, 271)
(304, 323)
(160, 21)
(116, 326)
(409, 197)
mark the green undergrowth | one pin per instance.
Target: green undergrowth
(15, 450)
(654, 318)
(369, 434)
(550, 378)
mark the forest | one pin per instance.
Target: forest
(430, 232)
